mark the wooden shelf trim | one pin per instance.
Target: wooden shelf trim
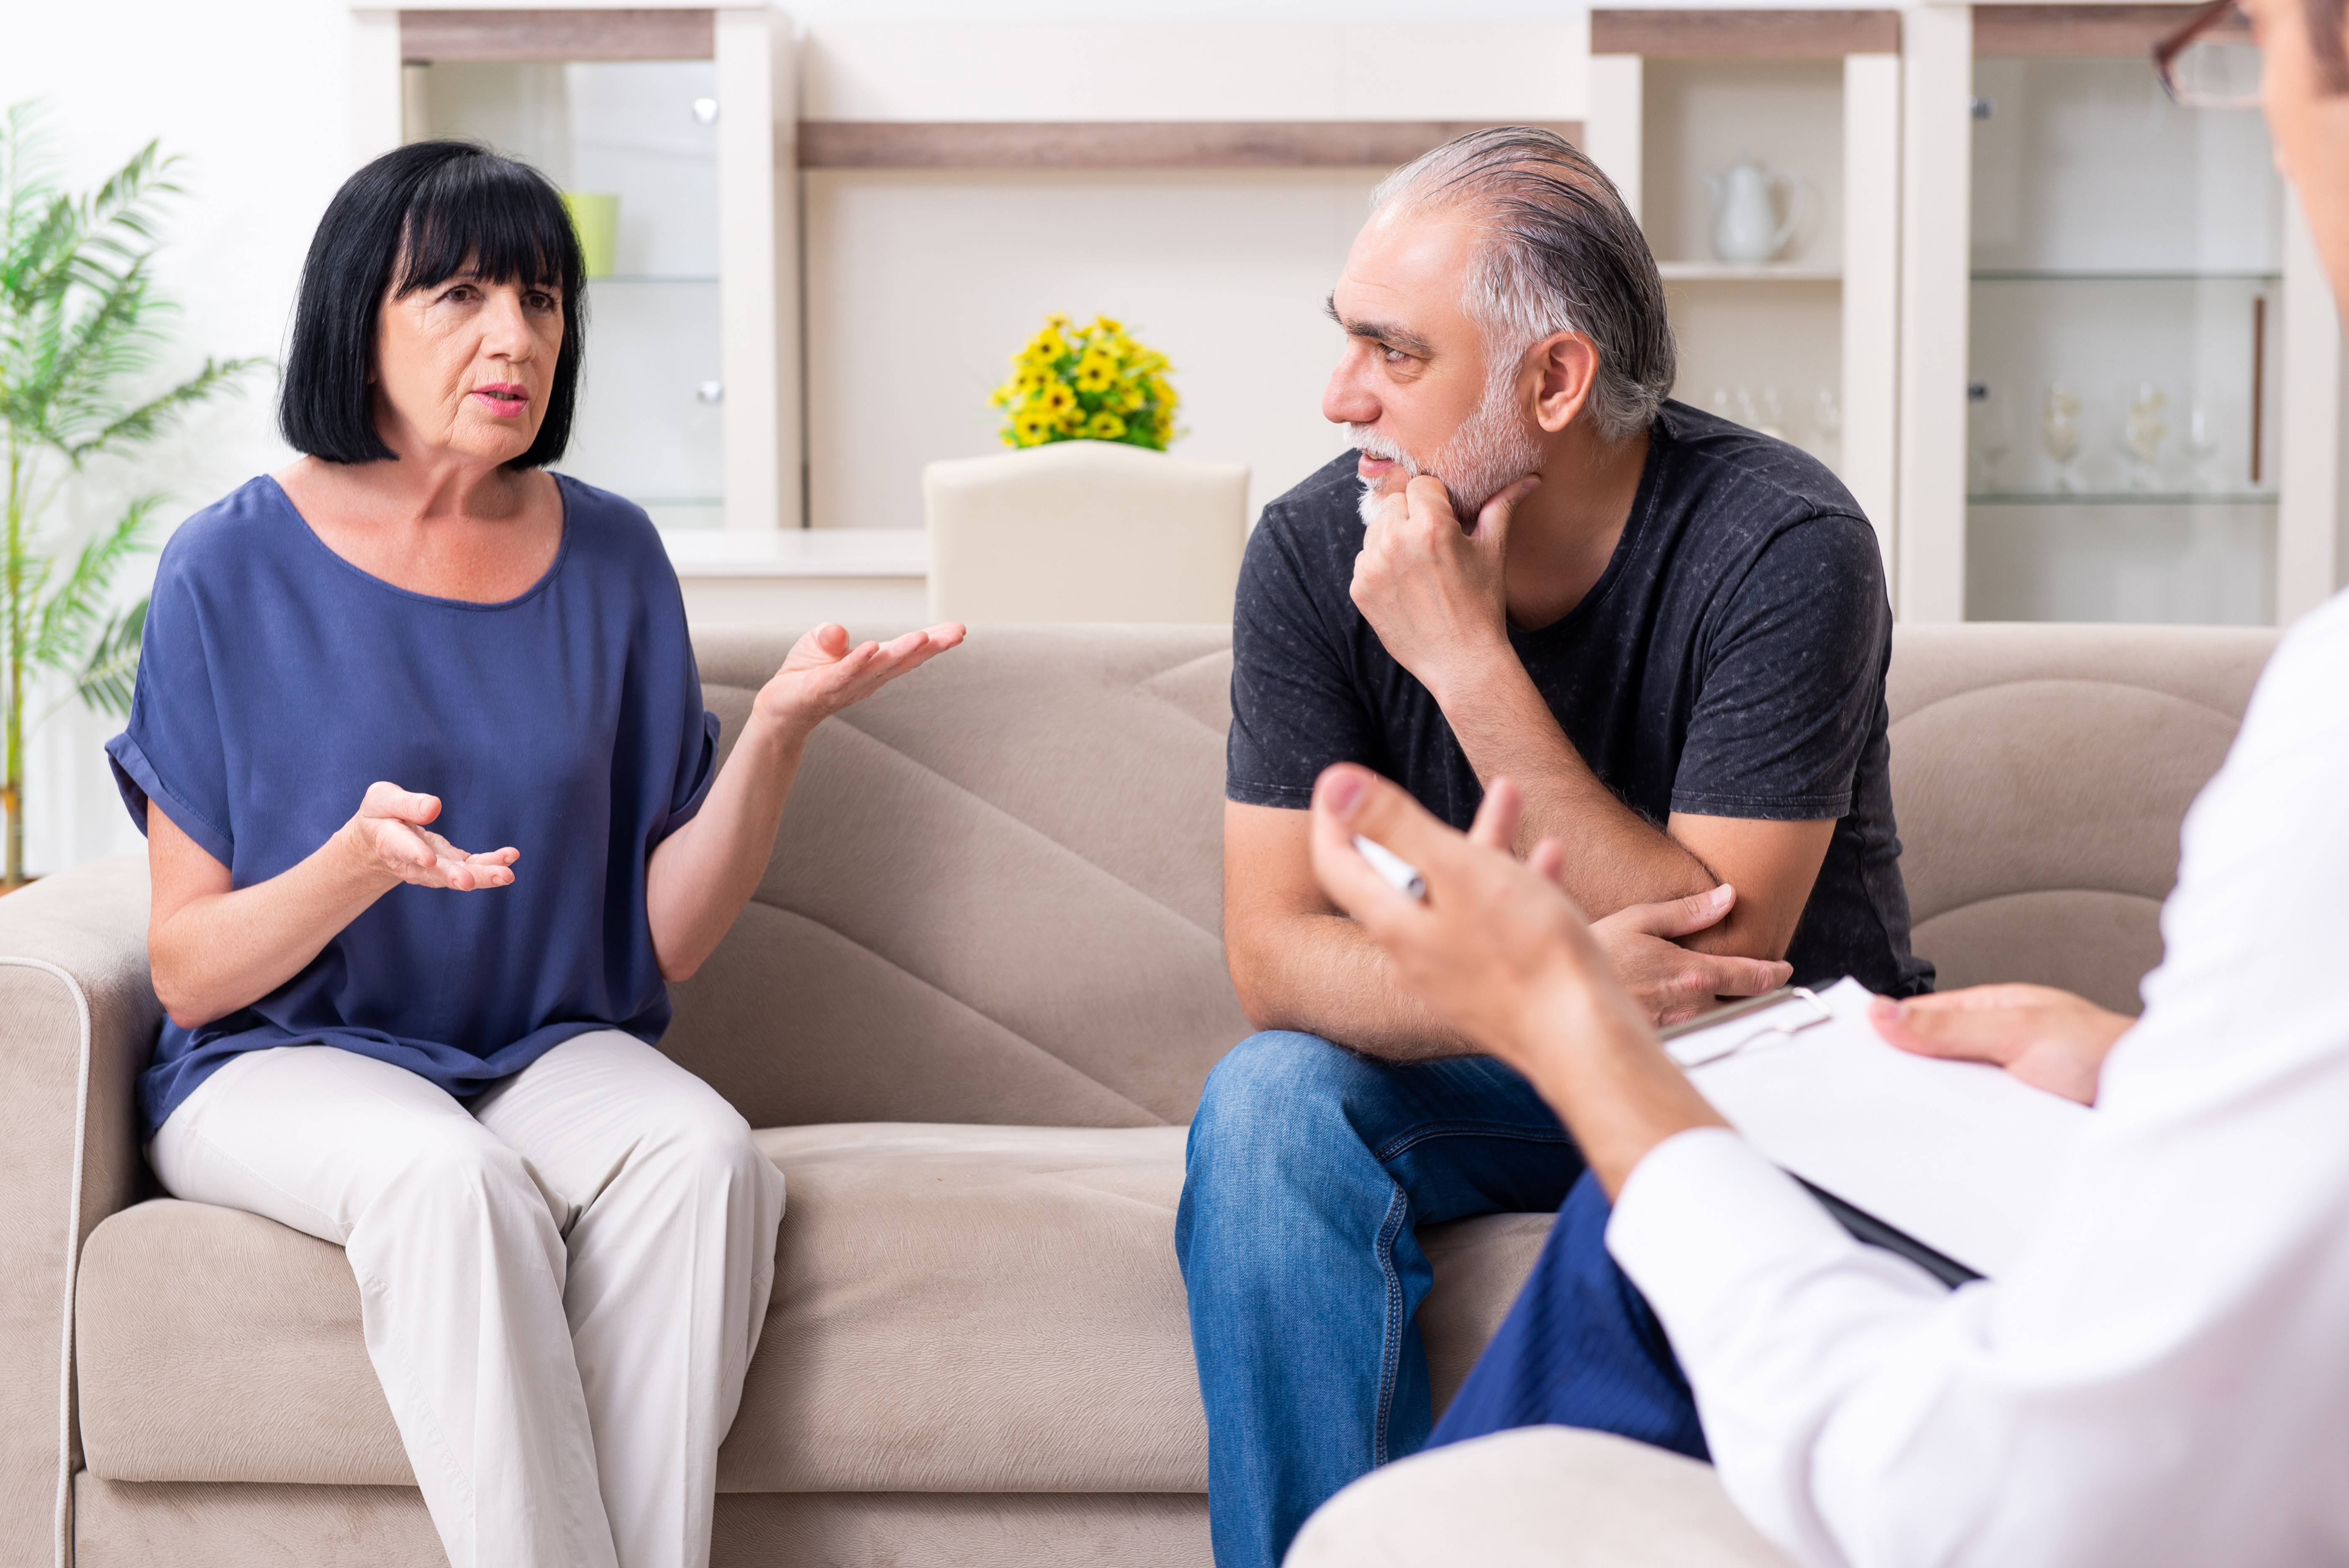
(1745, 34)
(2073, 29)
(1130, 144)
(428, 35)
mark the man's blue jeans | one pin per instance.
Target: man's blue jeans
(1308, 1168)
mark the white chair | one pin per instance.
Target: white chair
(1084, 531)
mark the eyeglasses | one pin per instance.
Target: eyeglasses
(2210, 62)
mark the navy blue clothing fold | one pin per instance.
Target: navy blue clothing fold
(1581, 1347)
(278, 681)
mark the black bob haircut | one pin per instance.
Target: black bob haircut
(429, 210)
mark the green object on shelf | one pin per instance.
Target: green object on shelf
(595, 218)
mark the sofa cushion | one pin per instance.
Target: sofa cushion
(956, 1308)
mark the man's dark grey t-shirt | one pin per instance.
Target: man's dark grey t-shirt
(1729, 662)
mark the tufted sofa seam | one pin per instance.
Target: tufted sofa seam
(928, 985)
(1144, 687)
(1027, 826)
(2232, 720)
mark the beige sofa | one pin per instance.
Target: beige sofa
(973, 1004)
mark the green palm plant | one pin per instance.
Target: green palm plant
(78, 331)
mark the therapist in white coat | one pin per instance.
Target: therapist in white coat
(2165, 1378)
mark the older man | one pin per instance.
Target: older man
(2161, 1379)
(1672, 630)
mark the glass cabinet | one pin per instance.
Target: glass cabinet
(2124, 325)
(633, 145)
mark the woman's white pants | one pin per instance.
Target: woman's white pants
(560, 1285)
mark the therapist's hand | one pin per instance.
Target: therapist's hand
(1499, 953)
(388, 837)
(2049, 1038)
(823, 674)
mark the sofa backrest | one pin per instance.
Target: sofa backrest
(2039, 776)
(997, 895)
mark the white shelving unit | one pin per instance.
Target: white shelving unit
(690, 400)
(1807, 345)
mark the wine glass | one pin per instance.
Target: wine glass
(1992, 437)
(1826, 418)
(2202, 446)
(2142, 429)
(2059, 431)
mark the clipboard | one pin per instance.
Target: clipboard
(1945, 1163)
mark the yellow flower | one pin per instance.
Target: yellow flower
(1057, 400)
(1045, 348)
(1105, 426)
(1033, 428)
(1095, 373)
(1133, 397)
(1033, 378)
(1057, 319)
(1103, 324)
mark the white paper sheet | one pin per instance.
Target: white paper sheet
(1958, 1154)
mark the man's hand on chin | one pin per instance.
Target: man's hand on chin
(1433, 591)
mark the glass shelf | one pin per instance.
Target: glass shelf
(2027, 275)
(1749, 273)
(2122, 498)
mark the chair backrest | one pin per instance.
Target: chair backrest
(2038, 776)
(1085, 531)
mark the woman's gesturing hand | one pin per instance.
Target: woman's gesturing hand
(389, 833)
(825, 674)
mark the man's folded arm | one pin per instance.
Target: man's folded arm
(1297, 962)
(1616, 858)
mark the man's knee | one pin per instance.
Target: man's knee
(1274, 1093)
(1273, 1145)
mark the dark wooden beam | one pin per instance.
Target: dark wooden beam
(428, 35)
(1745, 34)
(2073, 29)
(1129, 144)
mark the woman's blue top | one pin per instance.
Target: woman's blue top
(278, 681)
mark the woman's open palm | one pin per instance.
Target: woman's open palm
(390, 827)
(825, 674)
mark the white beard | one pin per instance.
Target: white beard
(1492, 450)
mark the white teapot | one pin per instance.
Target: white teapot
(1745, 226)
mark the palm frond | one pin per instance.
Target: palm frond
(111, 674)
(144, 421)
(70, 613)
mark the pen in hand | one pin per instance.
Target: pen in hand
(1400, 874)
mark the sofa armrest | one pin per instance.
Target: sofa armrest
(77, 1021)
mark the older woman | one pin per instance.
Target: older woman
(442, 1057)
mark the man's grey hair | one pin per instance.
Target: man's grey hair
(1561, 253)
